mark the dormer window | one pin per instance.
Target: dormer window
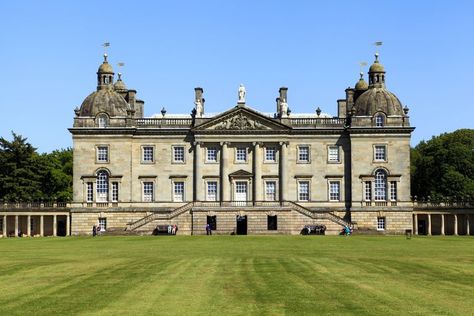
(379, 120)
(102, 120)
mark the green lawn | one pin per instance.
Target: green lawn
(243, 275)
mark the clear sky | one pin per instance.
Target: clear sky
(50, 52)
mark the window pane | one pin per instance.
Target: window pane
(178, 191)
(334, 187)
(393, 191)
(303, 153)
(270, 191)
(211, 154)
(368, 190)
(115, 192)
(380, 185)
(90, 192)
(270, 154)
(212, 191)
(241, 154)
(178, 154)
(102, 224)
(380, 152)
(102, 186)
(333, 154)
(303, 191)
(102, 154)
(148, 154)
(147, 191)
(380, 223)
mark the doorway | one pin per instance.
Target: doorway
(241, 225)
(241, 192)
(422, 227)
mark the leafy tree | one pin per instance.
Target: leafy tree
(26, 175)
(444, 166)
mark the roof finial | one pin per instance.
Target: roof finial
(361, 76)
(377, 44)
(121, 64)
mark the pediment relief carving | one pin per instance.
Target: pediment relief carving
(240, 122)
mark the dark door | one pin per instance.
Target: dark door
(241, 225)
(61, 229)
(422, 227)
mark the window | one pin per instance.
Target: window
(380, 153)
(272, 222)
(212, 191)
(333, 153)
(148, 193)
(379, 120)
(380, 223)
(270, 154)
(102, 120)
(303, 191)
(303, 154)
(90, 192)
(102, 224)
(270, 191)
(148, 154)
(241, 154)
(380, 185)
(102, 186)
(102, 154)
(211, 155)
(368, 190)
(212, 222)
(178, 191)
(334, 190)
(393, 191)
(115, 191)
(178, 154)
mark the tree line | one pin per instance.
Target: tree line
(442, 167)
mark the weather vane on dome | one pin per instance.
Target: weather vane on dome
(120, 65)
(377, 44)
(362, 64)
(106, 44)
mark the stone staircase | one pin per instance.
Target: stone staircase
(157, 216)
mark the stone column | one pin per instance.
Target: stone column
(4, 228)
(225, 191)
(429, 224)
(257, 172)
(283, 171)
(415, 223)
(68, 225)
(16, 225)
(455, 224)
(198, 187)
(28, 226)
(55, 225)
(467, 225)
(41, 226)
(442, 224)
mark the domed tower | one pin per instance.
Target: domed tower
(119, 85)
(376, 102)
(105, 74)
(360, 87)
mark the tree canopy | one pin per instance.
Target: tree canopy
(444, 166)
(27, 176)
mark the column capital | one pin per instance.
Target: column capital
(224, 143)
(196, 143)
(284, 143)
(260, 144)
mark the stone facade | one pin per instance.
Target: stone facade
(242, 166)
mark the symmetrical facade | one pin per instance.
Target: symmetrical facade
(242, 171)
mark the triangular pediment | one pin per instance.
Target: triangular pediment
(241, 119)
(240, 173)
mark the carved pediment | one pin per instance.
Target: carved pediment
(242, 119)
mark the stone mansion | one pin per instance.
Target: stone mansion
(242, 171)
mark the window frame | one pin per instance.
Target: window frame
(367, 190)
(300, 182)
(174, 154)
(237, 149)
(275, 196)
(381, 223)
(208, 150)
(102, 224)
(98, 154)
(216, 193)
(143, 149)
(115, 191)
(379, 120)
(90, 192)
(331, 193)
(268, 150)
(393, 191)
(175, 185)
(148, 195)
(378, 188)
(385, 149)
(329, 157)
(299, 152)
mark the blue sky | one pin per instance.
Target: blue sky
(50, 51)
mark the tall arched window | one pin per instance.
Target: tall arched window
(102, 186)
(380, 187)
